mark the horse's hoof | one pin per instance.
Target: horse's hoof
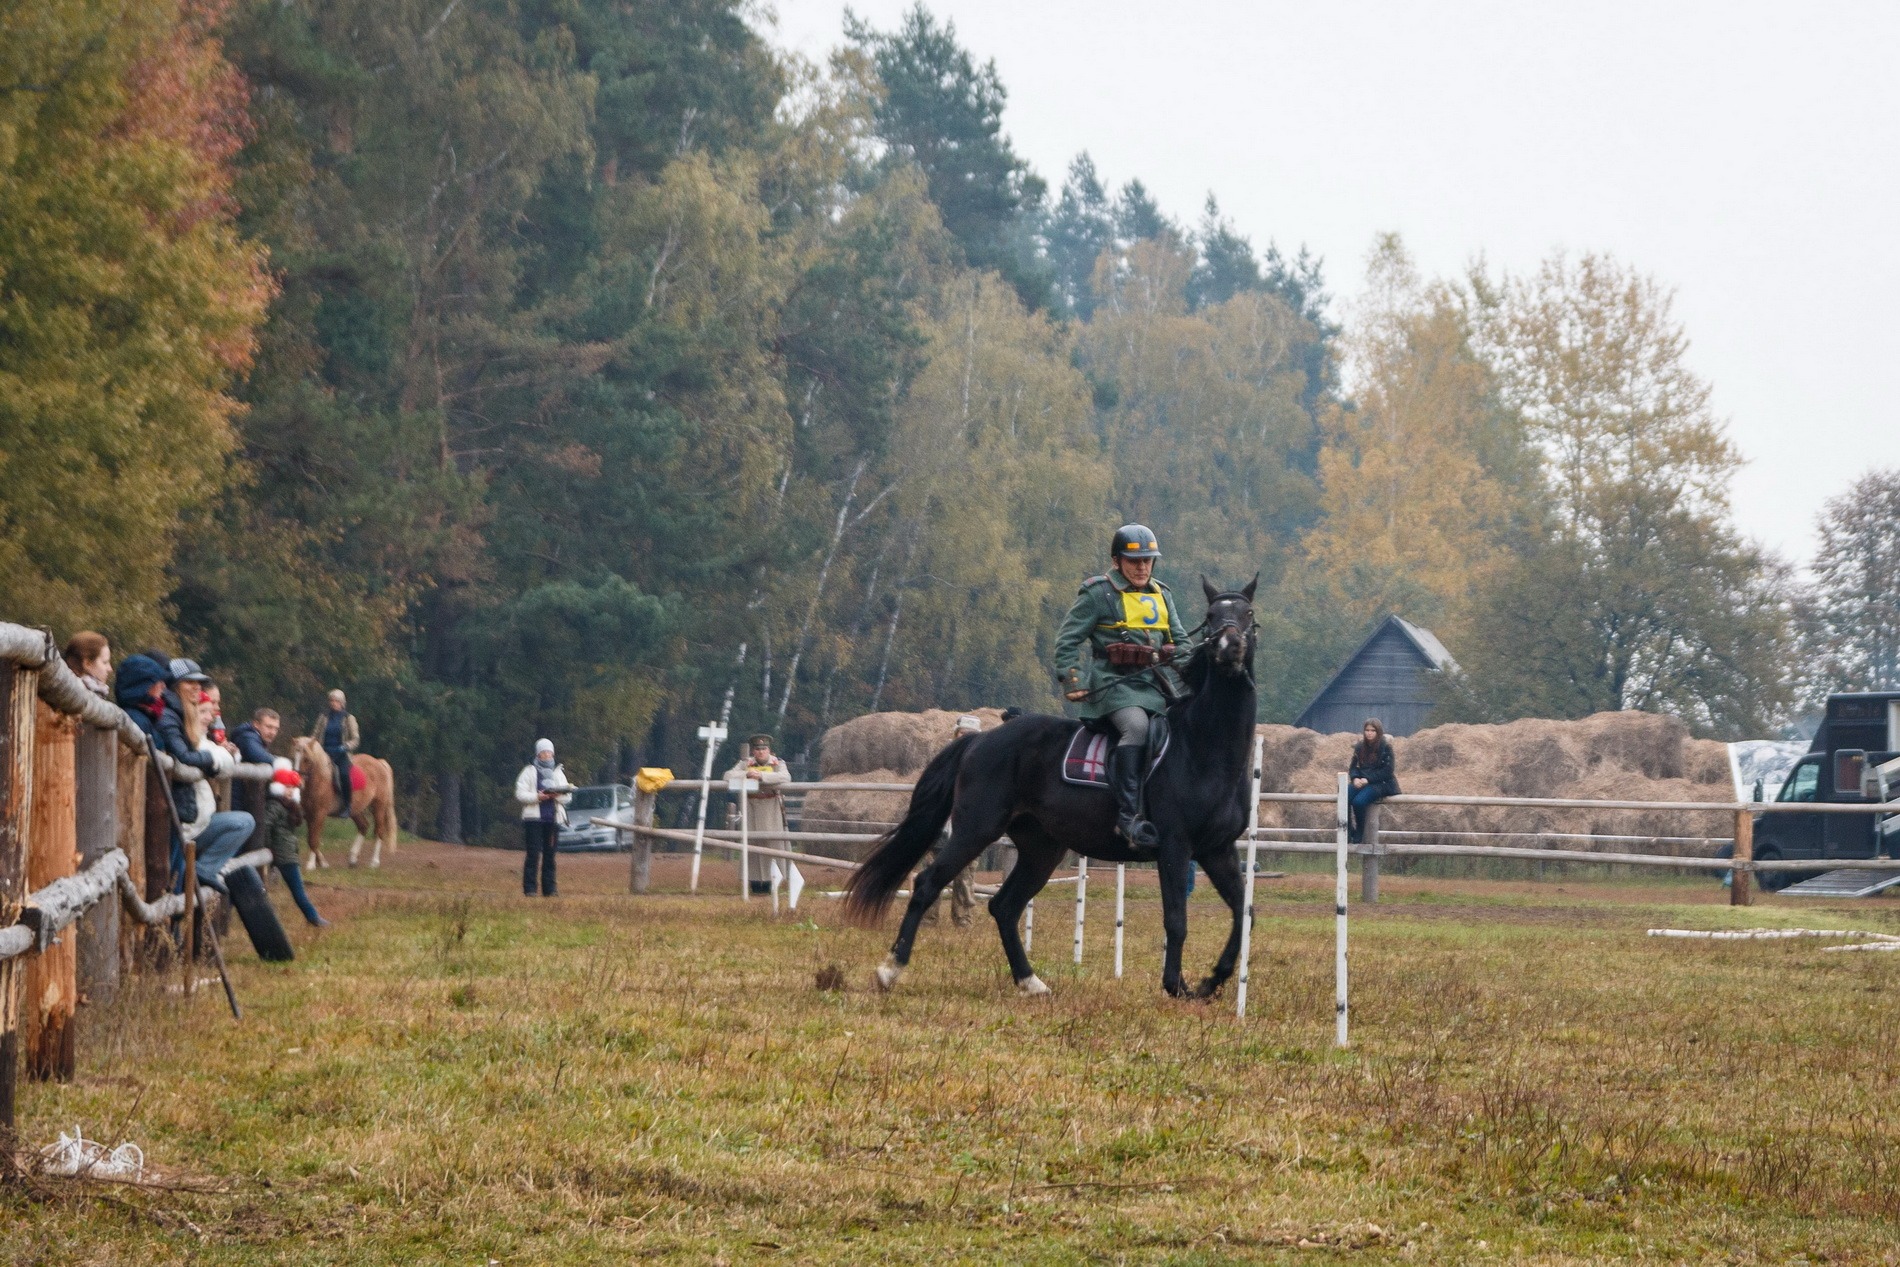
(887, 973)
(1033, 987)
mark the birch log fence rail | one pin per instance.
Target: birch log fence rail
(85, 837)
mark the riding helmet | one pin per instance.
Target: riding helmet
(1134, 541)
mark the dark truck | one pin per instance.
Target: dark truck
(1855, 758)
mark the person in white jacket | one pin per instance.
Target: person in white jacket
(543, 792)
(219, 835)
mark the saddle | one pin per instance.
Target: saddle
(1085, 764)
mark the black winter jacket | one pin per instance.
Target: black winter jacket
(1378, 772)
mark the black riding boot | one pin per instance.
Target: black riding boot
(1124, 778)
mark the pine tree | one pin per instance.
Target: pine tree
(944, 113)
(1138, 217)
(1081, 228)
(1226, 266)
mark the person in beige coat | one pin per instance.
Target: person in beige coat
(335, 732)
(765, 808)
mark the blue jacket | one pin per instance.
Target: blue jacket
(250, 745)
(163, 720)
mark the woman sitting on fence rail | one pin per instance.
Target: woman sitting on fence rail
(1372, 777)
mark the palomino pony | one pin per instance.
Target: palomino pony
(377, 799)
(1010, 780)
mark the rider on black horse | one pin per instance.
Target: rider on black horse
(1128, 620)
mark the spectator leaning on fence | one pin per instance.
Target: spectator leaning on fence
(1372, 776)
(188, 759)
(543, 792)
(765, 808)
(336, 733)
(89, 655)
(254, 737)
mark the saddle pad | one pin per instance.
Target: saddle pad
(1086, 762)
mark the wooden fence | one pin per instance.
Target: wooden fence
(85, 863)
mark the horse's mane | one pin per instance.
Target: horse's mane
(1194, 672)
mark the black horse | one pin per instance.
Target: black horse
(1010, 780)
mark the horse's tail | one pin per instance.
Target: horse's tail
(900, 848)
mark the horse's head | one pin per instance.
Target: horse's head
(300, 749)
(1230, 627)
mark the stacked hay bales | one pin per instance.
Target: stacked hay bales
(1625, 756)
(877, 748)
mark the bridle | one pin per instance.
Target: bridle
(1222, 616)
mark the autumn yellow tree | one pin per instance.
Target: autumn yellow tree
(1640, 594)
(1203, 425)
(999, 494)
(1414, 520)
(128, 302)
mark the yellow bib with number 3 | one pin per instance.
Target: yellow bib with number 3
(1144, 611)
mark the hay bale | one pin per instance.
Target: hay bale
(899, 742)
(844, 811)
(1705, 763)
(1609, 756)
(1624, 756)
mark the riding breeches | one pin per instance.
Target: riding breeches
(1131, 725)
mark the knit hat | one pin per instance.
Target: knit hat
(544, 746)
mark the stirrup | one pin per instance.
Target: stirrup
(1138, 832)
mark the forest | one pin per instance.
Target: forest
(583, 367)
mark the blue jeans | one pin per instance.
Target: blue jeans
(218, 843)
(1356, 804)
(293, 880)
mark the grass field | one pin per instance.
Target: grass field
(454, 1074)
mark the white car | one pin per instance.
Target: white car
(602, 800)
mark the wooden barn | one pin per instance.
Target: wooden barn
(1389, 677)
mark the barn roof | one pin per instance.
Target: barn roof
(1422, 640)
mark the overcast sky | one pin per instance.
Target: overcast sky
(1742, 153)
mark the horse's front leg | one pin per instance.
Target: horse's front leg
(1223, 872)
(1172, 864)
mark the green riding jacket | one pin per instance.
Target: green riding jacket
(1108, 610)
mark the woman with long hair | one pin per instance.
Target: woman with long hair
(1372, 776)
(89, 655)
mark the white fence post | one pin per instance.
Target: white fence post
(714, 734)
(1081, 901)
(1121, 889)
(1029, 926)
(1246, 911)
(744, 788)
(1339, 919)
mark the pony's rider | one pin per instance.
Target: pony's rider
(1128, 621)
(336, 732)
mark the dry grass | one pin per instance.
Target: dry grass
(456, 1075)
